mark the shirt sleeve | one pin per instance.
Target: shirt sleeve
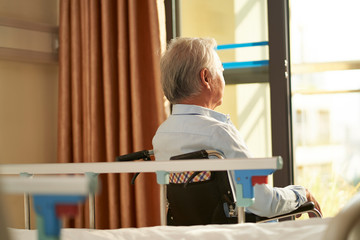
(271, 201)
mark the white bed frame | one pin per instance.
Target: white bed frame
(162, 168)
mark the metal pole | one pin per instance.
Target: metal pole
(94, 179)
(27, 216)
(241, 214)
(163, 204)
(27, 210)
(92, 210)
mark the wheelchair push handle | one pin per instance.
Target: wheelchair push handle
(145, 155)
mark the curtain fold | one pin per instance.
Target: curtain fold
(110, 100)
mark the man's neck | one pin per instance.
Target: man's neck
(198, 101)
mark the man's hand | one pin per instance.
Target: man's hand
(311, 198)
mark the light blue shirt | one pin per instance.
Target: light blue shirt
(191, 128)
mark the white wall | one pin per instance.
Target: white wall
(28, 90)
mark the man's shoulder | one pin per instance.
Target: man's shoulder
(193, 123)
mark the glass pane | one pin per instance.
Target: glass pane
(233, 21)
(228, 21)
(324, 30)
(326, 104)
(327, 137)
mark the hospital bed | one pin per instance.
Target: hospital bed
(314, 228)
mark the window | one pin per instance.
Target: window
(247, 94)
(325, 57)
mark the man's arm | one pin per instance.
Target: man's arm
(270, 202)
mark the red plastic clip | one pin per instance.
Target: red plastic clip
(259, 180)
(69, 210)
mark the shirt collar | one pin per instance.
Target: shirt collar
(185, 109)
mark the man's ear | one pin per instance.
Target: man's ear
(205, 77)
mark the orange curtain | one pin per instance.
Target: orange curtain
(110, 101)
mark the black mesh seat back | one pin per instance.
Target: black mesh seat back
(200, 202)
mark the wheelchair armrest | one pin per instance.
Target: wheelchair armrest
(202, 154)
(308, 207)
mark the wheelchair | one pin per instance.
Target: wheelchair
(201, 198)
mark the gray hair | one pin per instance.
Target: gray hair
(181, 66)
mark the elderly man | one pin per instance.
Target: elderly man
(192, 80)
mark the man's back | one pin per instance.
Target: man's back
(191, 128)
